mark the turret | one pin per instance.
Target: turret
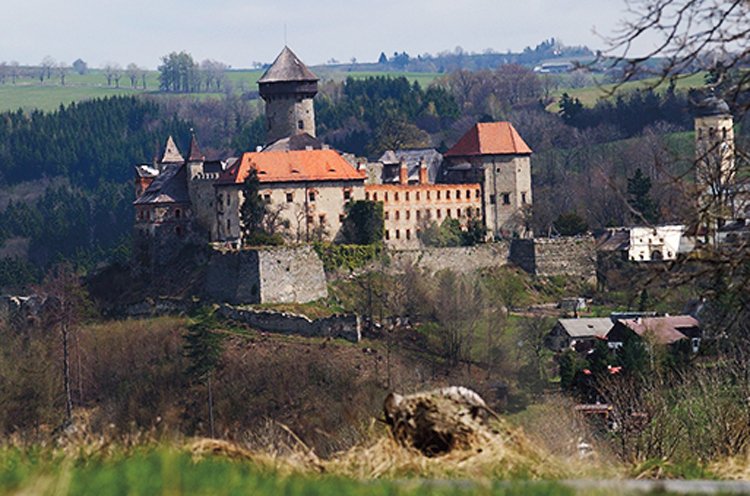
(288, 88)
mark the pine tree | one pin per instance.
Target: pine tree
(203, 350)
(639, 192)
(252, 211)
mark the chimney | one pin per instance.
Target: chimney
(423, 179)
(403, 173)
(258, 149)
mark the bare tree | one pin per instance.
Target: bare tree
(62, 71)
(14, 71)
(108, 73)
(134, 74)
(46, 68)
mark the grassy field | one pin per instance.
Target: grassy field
(591, 94)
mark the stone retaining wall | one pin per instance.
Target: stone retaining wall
(347, 327)
(463, 259)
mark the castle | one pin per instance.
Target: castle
(486, 176)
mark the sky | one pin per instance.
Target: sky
(240, 32)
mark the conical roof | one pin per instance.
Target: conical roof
(171, 154)
(287, 67)
(195, 154)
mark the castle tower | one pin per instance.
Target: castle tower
(195, 158)
(288, 88)
(714, 158)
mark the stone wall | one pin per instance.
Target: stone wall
(266, 275)
(566, 256)
(464, 259)
(347, 327)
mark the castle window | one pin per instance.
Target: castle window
(311, 195)
(523, 197)
(367, 195)
(724, 133)
(408, 234)
(428, 194)
(477, 193)
(408, 214)
(468, 211)
(438, 194)
(229, 200)
(387, 234)
(322, 219)
(447, 195)
(479, 212)
(386, 196)
(177, 213)
(417, 195)
(407, 196)
(289, 197)
(300, 125)
(387, 214)
(418, 214)
(229, 224)
(375, 196)
(398, 214)
(492, 199)
(448, 212)
(395, 196)
(458, 194)
(506, 198)
(347, 194)
(439, 213)
(341, 217)
(267, 198)
(458, 213)
(398, 234)
(309, 219)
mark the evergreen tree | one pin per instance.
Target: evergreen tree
(203, 351)
(364, 222)
(639, 198)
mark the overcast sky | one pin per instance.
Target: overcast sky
(239, 32)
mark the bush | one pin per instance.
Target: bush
(348, 257)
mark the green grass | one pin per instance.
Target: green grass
(49, 98)
(591, 94)
(149, 471)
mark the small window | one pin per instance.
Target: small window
(468, 212)
(387, 234)
(386, 196)
(448, 212)
(492, 199)
(300, 125)
(418, 214)
(398, 214)
(458, 194)
(523, 197)
(347, 194)
(448, 195)
(439, 213)
(398, 234)
(387, 214)
(374, 197)
(468, 194)
(311, 195)
(438, 194)
(229, 223)
(417, 193)
(477, 194)
(229, 200)
(408, 234)
(177, 213)
(309, 219)
(341, 217)
(408, 214)
(428, 195)
(267, 198)
(395, 196)
(407, 196)
(506, 198)
(289, 197)
(367, 195)
(322, 219)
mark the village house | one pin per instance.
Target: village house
(578, 334)
(666, 330)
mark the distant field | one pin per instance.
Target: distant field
(591, 94)
(49, 97)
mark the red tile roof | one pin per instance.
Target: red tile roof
(666, 330)
(490, 138)
(292, 166)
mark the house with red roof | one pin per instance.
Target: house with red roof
(494, 155)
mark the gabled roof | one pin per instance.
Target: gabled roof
(586, 327)
(490, 138)
(666, 330)
(413, 158)
(171, 154)
(169, 187)
(292, 166)
(287, 67)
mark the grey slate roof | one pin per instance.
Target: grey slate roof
(169, 187)
(287, 67)
(587, 327)
(711, 105)
(413, 158)
(295, 143)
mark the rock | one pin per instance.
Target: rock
(439, 421)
